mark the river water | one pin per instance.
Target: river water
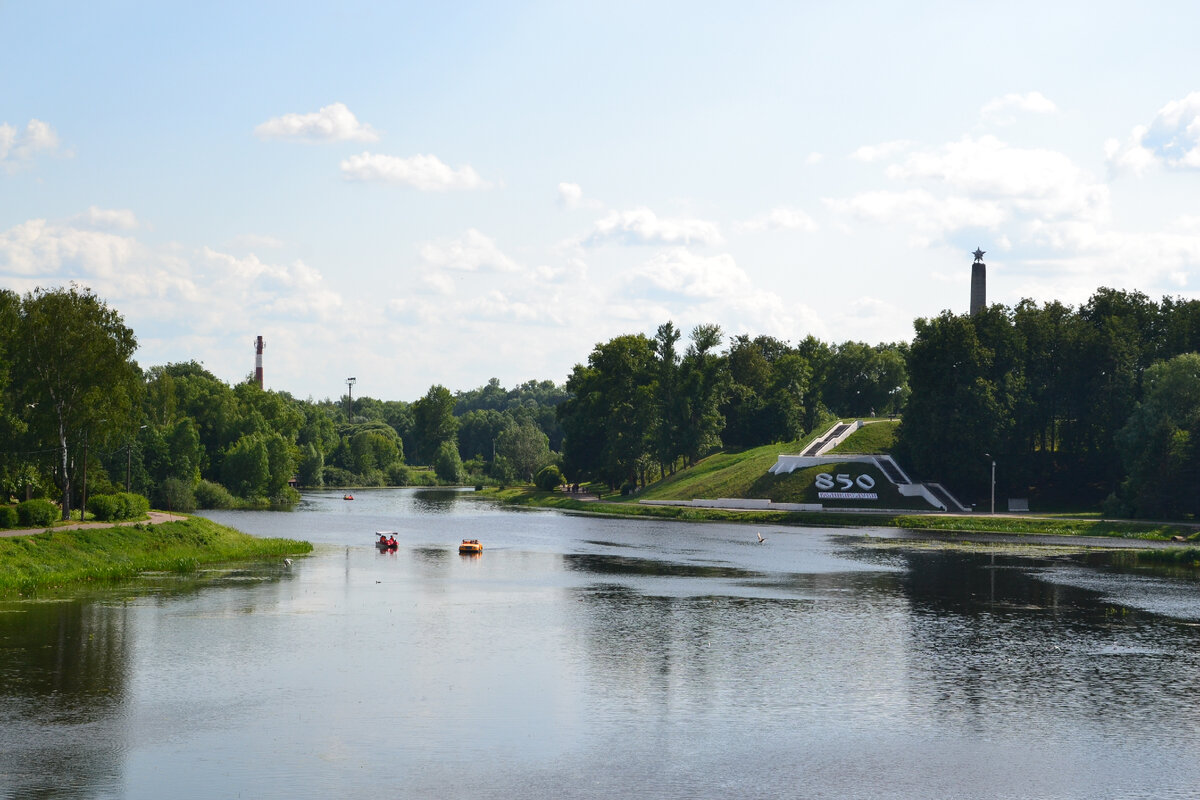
(583, 657)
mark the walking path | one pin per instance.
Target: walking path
(155, 517)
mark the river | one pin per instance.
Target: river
(585, 657)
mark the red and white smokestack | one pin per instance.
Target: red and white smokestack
(258, 348)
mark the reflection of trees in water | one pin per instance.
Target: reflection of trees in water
(987, 638)
(63, 682)
(710, 643)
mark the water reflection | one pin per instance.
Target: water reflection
(588, 658)
(63, 683)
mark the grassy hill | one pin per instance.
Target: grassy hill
(744, 474)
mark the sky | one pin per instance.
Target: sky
(441, 193)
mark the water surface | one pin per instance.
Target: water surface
(583, 657)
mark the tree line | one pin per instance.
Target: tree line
(1078, 406)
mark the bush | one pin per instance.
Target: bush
(8, 517)
(104, 507)
(212, 495)
(175, 495)
(132, 505)
(336, 476)
(548, 478)
(447, 464)
(398, 475)
(37, 513)
(287, 497)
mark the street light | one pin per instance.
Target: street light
(989, 455)
(129, 457)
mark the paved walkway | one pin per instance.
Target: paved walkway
(155, 517)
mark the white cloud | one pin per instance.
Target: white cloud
(927, 217)
(1001, 110)
(1037, 182)
(121, 219)
(681, 272)
(877, 152)
(18, 148)
(424, 172)
(643, 226)
(569, 194)
(333, 123)
(1172, 139)
(472, 252)
(814, 158)
(785, 219)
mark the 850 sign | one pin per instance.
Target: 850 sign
(844, 482)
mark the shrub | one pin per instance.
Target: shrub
(398, 475)
(37, 512)
(103, 506)
(132, 505)
(287, 497)
(548, 478)
(336, 476)
(212, 495)
(8, 517)
(175, 495)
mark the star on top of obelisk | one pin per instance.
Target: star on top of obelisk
(978, 254)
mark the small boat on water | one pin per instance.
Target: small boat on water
(347, 497)
(387, 540)
(470, 546)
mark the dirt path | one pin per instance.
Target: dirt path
(155, 517)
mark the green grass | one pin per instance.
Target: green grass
(874, 438)
(62, 558)
(721, 474)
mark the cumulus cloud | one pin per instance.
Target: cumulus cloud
(333, 123)
(780, 219)
(19, 147)
(1002, 110)
(681, 272)
(641, 226)
(1034, 181)
(121, 219)
(472, 252)
(424, 172)
(569, 194)
(1172, 139)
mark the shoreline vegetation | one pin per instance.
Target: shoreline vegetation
(931, 523)
(93, 555)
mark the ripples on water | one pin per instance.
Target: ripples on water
(590, 658)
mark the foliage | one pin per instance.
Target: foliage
(549, 478)
(175, 495)
(37, 512)
(104, 507)
(525, 447)
(212, 495)
(447, 464)
(8, 517)
(75, 369)
(435, 423)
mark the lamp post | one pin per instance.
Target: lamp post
(350, 399)
(989, 455)
(129, 458)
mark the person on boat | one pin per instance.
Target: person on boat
(391, 541)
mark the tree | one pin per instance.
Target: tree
(704, 383)
(434, 420)
(526, 448)
(1160, 443)
(76, 368)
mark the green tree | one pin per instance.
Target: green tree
(446, 463)
(1160, 443)
(434, 421)
(76, 368)
(526, 448)
(246, 468)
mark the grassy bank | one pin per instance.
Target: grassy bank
(1059, 526)
(62, 558)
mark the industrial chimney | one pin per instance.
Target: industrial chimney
(258, 348)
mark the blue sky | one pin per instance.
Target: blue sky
(442, 193)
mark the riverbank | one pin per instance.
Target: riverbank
(93, 554)
(933, 523)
